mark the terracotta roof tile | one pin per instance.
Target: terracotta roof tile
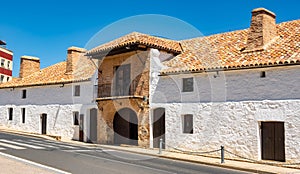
(138, 38)
(225, 50)
(54, 74)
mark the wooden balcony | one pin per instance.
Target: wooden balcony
(108, 90)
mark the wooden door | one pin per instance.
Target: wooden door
(122, 80)
(273, 147)
(93, 125)
(44, 123)
(158, 126)
(81, 127)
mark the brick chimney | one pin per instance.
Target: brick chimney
(262, 29)
(73, 55)
(29, 65)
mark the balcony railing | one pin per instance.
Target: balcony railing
(108, 90)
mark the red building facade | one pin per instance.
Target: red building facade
(6, 63)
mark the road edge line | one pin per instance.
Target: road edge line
(34, 163)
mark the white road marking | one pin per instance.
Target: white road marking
(34, 164)
(22, 144)
(40, 144)
(1, 148)
(108, 150)
(11, 146)
(55, 144)
(87, 150)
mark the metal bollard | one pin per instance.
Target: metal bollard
(222, 155)
(160, 145)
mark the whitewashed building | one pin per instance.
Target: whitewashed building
(238, 89)
(57, 100)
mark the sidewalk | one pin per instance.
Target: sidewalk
(231, 164)
(13, 166)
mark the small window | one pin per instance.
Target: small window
(8, 64)
(24, 94)
(10, 113)
(187, 84)
(2, 78)
(23, 115)
(263, 74)
(76, 118)
(7, 79)
(2, 62)
(77, 90)
(188, 124)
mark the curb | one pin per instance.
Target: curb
(28, 134)
(141, 153)
(192, 161)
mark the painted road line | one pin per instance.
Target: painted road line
(87, 150)
(55, 144)
(11, 146)
(1, 148)
(34, 164)
(22, 144)
(40, 144)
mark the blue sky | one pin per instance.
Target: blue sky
(46, 28)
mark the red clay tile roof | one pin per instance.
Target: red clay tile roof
(225, 51)
(138, 38)
(55, 74)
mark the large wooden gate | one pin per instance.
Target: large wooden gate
(125, 126)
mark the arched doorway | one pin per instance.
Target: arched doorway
(158, 126)
(125, 126)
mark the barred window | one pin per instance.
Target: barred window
(188, 124)
(77, 90)
(188, 84)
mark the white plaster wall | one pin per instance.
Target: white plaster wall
(156, 57)
(228, 108)
(239, 85)
(57, 101)
(234, 125)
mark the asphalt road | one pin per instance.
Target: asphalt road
(82, 159)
